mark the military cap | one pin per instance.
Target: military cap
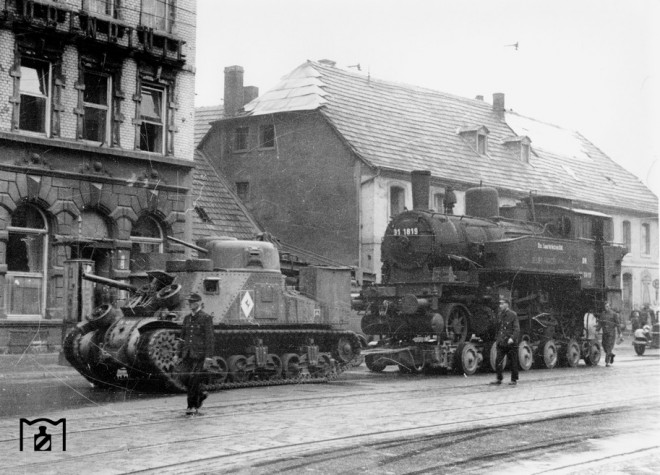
(194, 298)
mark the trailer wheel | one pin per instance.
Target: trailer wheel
(592, 356)
(639, 348)
(374, 363)
(548, 354)
(466, 358)
(571, 354)
(491, 351)
(525, 356)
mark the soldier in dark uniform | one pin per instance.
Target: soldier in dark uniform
(197, 344)
(609, 323)
(508, 333)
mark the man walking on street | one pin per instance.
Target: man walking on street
(506, 340)
(197, 344)
(610, 324)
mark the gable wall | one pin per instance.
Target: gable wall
(303, 190)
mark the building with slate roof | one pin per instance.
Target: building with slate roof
(323, 160)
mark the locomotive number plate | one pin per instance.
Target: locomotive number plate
(405, 231)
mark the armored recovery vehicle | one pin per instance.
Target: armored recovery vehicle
(266, 332)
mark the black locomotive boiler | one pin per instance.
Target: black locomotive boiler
(443, 275)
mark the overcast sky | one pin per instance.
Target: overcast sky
(588, 65)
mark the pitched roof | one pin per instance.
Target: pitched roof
(212, 198)
(203, 118)
(401, 127)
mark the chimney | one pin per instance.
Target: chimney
(421, 187)
(498, 104)
(234, 94)
(479, 98)
(250, 93)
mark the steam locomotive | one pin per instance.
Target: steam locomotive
(443, 275)
(266, 332)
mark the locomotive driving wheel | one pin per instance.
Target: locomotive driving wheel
(457, 324)
(238, 368)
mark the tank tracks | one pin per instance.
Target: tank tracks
(156, 364)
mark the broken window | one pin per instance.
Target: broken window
(96, 103)
(35, 87)
(158, 14)
(152, 117)
(27, 246)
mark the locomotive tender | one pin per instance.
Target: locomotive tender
(265, 331)
(443, 275)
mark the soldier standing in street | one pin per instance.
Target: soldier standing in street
(508, 333)
(609, 323)
(197, 344)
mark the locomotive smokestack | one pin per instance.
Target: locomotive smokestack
(421, 184)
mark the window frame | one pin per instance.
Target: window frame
(241, 135)
(108, 107)
(112, 5)
(482, 139)
(43, 233)
(626, 232)
(263, 142)
(147, 120)
(243, 190)
(645, 239)
(149, 19)
(48, 96)
(149, 241)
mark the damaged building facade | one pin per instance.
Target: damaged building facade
(96, 154)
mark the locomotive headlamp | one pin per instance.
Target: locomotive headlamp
(437, 323)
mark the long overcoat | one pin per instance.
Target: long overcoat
(197, 336)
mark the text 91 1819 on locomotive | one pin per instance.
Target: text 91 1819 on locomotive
(444, 274)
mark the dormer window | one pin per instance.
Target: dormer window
(482, 144)
(476, 137)
(520, 146)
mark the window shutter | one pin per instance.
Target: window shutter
(59, 81)
(137, 121)
(79, 86)
(15, 100)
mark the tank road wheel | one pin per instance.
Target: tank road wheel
(466, 359)
(548, 354)
(323, 368)
(571, 355)
(592, 354)
(218, 369)
(291, 365)
(274, 366)
(457, 325)
(375, 363)
(525, 356)
(640, 348)
(238, 368)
